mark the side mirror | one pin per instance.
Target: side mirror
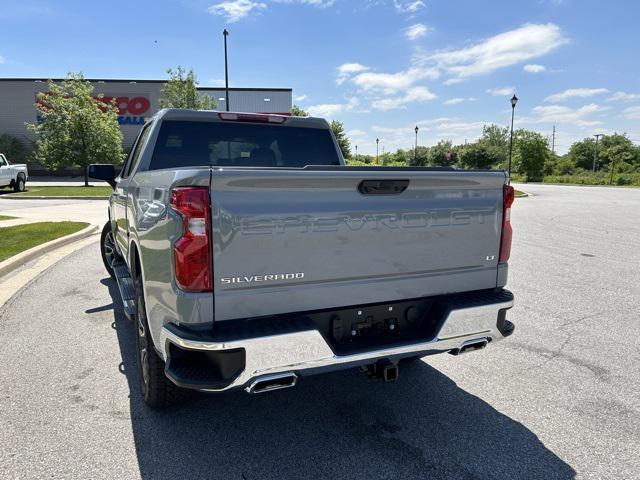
(103, 171)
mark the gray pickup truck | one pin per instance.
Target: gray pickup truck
(249, 256)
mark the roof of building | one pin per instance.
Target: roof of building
(129, 80)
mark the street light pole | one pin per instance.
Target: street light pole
(225, 34)
(356, 153)
(514, 100)
(415, 150)
(377, 142)
(595, 152)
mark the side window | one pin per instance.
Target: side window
(3, 162)
(134, 156)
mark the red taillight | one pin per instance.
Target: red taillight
(192, 252)
(507, 231)
(251, 117)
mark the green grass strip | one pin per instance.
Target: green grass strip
(65, 192)
(19, 238)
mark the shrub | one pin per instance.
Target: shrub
(12, 148)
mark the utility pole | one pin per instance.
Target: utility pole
(356, 153)
(595, 153)
(225, 34)
(377, 143)
(553, 140)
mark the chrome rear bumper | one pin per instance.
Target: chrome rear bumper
(306, 352)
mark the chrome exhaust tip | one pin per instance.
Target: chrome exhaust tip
(470, 346)
(269, 383)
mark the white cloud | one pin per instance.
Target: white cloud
(390, 83)
(416, 31)
(315, 3)
(410, 6)
(453, 81)
(356, 132)
(623, 97)
(562, 113)
(2, 60)
(349, 68)
(632, 113)
(431, 131)
(457, 100)
(235, 10)
(534, 68)
(502, 50)
(299, 98)
(346, 70)
(330, 110)
(413, 95)
(501, 91)
(575, 92)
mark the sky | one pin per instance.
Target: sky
(381, 67)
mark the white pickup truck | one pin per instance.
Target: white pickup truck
(13, 175)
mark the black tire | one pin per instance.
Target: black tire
(156, 389)
(19, 185)
(108, 248)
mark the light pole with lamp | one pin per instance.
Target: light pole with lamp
(415, 150)
(377, 142)
(225, 34)
(514, 100)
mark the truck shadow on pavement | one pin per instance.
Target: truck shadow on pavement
(340, 425)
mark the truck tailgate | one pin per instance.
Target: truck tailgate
(298, 240)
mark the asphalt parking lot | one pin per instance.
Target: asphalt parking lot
(559, 399)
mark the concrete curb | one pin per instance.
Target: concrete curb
(12, 197)
(20, 259)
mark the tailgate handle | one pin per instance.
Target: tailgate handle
(383, 187)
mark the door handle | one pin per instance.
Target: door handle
(382, 187)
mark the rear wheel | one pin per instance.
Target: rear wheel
(156, 389)
(108, 248)
(19, 185)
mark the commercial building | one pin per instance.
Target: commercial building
(136, 100)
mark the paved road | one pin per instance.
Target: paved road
(560, 399)
(92, 211)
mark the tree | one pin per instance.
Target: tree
(13, 148)
(341, 137)
(78, 128)
(478, 155)
(581, 153)
(181, 91)
(296, 111)
(401, 156)
(495, 139)
(421, 157)
(563, 165)
(442, 154)
(617, 149)
(530, 154)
